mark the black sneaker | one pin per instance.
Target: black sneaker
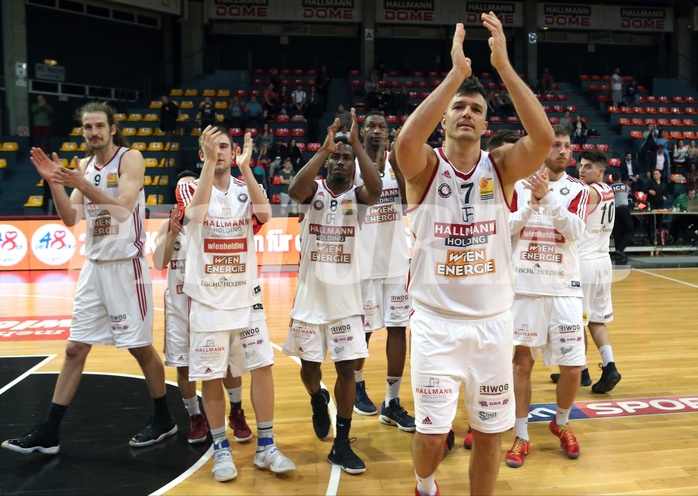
(343, 456)
(362, 403)
(584, 381)
(321, 417)
(38, 439)
(153, 432)
(395, 414)
(609, 378)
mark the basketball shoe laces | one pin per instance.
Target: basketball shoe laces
(567, 438)
(519, 447)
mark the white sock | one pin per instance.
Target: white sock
(562, 415)
(392, 388)
(235, 394)
(426, 486)
(192, 405)
(358, 375)
(522, 428)
(606, 354)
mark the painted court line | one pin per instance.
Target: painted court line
(28, 372)
(667, 278)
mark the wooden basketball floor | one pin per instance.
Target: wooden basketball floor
(642, 438)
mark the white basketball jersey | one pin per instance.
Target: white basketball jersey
(328, 287)
(382, 238)
(595, 241)
(460, 260)
(107, 239)
(221, 268)
(545, 260)
(177, 300)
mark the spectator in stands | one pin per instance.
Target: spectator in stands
(401, 100)
(648, 149)
(374, 100)
(545, 83)
(506, 105)
(236, 113)
(371, 83)
(322, 81)
(617, 88)
(623, 226)
(436, 139)
(278, 151)
(254, 111)
(260, 171)
(169, 112)
(295, 155)
(632, 94)
(298, 100)
(284, 101)
(264, 140)
(342, 134)
(207, 114)
(566, 121)
(286, 175)
(692, 176)
(270, 102)
(656, 196)
(679, 223)
(630, 172)
(344, 116)
(692, 154)
(679, 155)
(313, 113)
(274, 78)
(388, 101)
(662, 163)
(42, 113)
(579, 131)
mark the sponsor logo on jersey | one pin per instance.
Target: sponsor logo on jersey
(444, 190)
(112, 180)
(486, 185)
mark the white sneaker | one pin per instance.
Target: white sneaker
(270, 457)
(223, 466)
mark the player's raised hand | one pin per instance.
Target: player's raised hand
(329, 144)
(353, 137)
(209, 142)
(497, 42)
(44, 165)
(243, 159)
(458, 58)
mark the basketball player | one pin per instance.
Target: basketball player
(550, 218)
(113, 302)
(327, 309)
(595, 263)
(170, 252)
(458, 199)
(227, 321)
(384, 265)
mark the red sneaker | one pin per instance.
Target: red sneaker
(468, 441)
(417, 493)
(516, 455)
(198, 429)
(568, 442)
(237, 422)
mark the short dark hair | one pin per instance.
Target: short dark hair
(597, 157)
(187, 173)
(470, 86)
(501, 137)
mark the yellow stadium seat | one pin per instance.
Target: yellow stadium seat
(128, 131)
(76, 131)
(220, 117)
(159, 132)
(138, 145)
(151, 117)
(174, 146)
(155, 146)
(186, 104)
(223, 94)
(156, 181)
(147, 181)
(164, 163)
(183, 117)
(145, 131)
(3, 163)
(135, 117)
(40, 184)
(155, 104)
(221, 105)
(68, 164)
(35, 201)
(191, 92)
(176, 92)
(82, 147)
(154, 199)
(120, 117)
(195, 131)
(69, 146)
(164, 180)
(209, 93)
(151, 162)
(9, 146)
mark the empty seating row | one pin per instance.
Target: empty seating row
(651, 110)
(221, 93)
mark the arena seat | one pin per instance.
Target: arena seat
(139, 145)
(176, 92)
(223, 93)
(151, 117)
(34, 201)
(155, 104)
(69, 146)
(76, 131)
(145, 131)
(155, 146)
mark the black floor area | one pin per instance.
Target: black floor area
(95, 456)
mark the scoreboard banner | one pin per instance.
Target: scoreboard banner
(448, 12)
(605, 17)
(286, 10)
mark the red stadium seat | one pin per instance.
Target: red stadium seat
(613, 162)
(313, 147)
(282, 132)
(297, 132)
